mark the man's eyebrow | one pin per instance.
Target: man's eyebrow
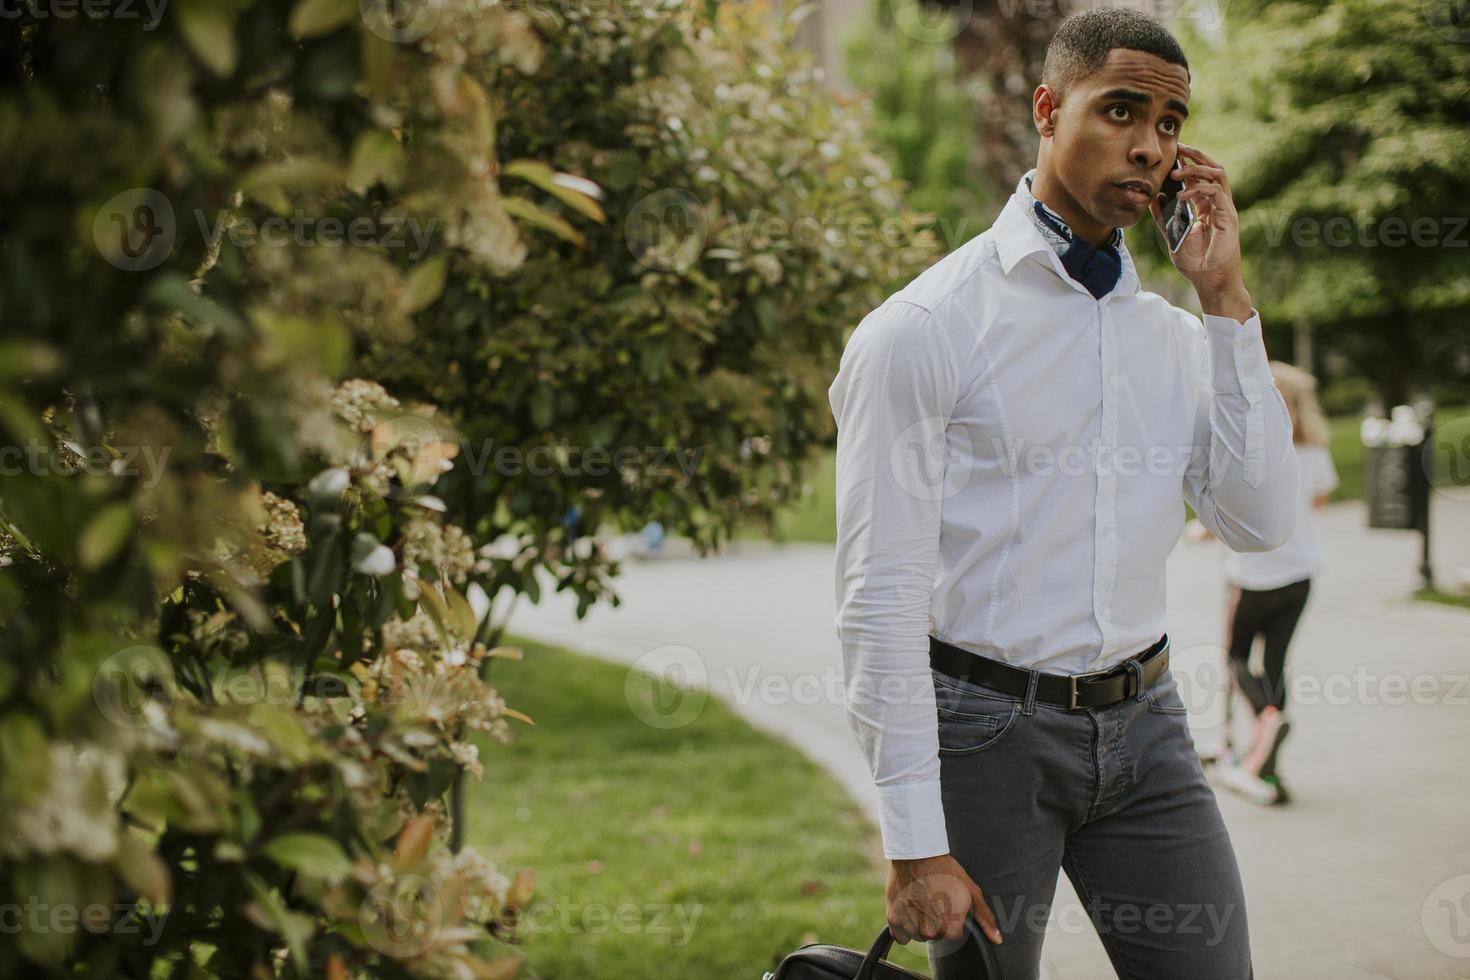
(1143, 98)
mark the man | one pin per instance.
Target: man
(1018, 431)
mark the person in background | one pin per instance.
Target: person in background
(1268, 589)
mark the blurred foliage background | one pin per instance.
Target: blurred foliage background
(279, 282)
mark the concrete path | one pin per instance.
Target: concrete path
(1365, 874)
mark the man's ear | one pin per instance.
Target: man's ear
(1044, 104)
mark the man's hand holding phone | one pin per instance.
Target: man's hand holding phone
(929, 898)
(1209, 255)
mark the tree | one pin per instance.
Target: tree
(1347, 127)
(924, 116)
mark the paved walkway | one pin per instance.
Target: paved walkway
(1358, 877)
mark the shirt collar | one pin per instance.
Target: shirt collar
(1019, 233)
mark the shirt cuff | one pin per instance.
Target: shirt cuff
(911, 819)
(1238, 361)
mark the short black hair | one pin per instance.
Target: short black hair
(1081, 44)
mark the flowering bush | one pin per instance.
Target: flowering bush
(246, 564)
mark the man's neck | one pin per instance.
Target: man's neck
(1049, 191)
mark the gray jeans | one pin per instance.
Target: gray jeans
(1114, 796)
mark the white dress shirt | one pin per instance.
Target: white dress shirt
(1013, 458)
(1301, 556)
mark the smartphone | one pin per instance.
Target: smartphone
(1178, 217)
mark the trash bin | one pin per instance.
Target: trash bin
(1396, 483)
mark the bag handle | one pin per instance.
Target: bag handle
(884, 943)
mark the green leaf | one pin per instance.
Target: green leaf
(141, 869)
(521, 208)
(173, 292)
(313, 17)
(425, 283)
(464, 615)
(270, 182)
(575, 192)
(377, 157)
(293, 926)
(210, 34)
(433, 604)
(25, 758)
(312, 854)
(105, 535)
(50, 883)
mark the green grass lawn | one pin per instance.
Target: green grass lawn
(706, 851)
(814, 518)
(1459, 599)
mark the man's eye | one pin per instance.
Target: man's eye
(1170, 127)
(1118, 112)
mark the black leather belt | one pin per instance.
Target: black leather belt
(1095, 689)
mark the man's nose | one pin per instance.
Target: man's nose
(1147, 153)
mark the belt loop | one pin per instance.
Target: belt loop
(1136, 669)
(1028, 707)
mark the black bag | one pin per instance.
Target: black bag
(821, 961)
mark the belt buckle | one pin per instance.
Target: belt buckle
(1072, 680)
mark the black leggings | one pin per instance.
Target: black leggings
(1273, 612)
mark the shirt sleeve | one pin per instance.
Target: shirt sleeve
(1243, 475)
(892, 400)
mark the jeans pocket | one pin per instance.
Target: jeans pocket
(970, 722)
(1163, 696)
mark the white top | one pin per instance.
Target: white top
(1301, 556)
(1013, 458)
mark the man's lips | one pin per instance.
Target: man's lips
(1137, 192)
